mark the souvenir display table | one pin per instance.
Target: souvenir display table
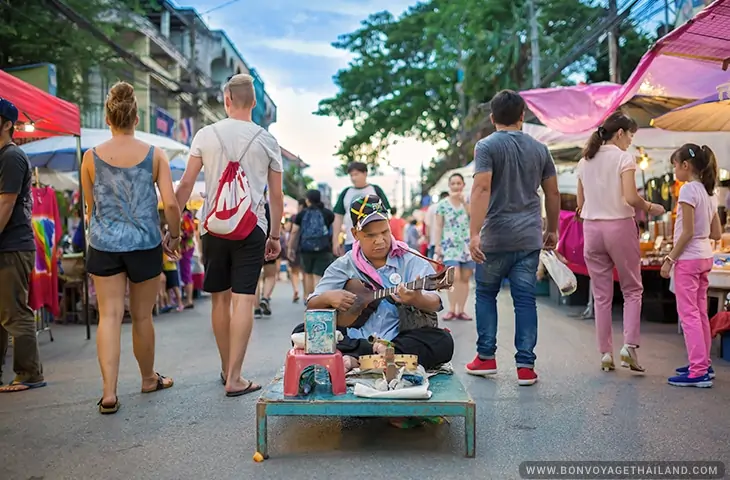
(449, 399)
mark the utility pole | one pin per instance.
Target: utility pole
(613, 65)
(534, 45)
(193, 75)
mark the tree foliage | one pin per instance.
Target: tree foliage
(32, 31)
(424, 74)
(296, 182)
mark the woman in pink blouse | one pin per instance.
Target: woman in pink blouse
(607, 200)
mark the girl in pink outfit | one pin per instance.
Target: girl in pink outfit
(691, 258)
(607, 200)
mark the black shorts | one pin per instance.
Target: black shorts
(172, 279)
(233, 264)
(315, 263)
(140, 265)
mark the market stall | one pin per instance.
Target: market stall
(44, 116)
(58, 156)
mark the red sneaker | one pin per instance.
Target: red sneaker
(482, 367)
(526, 376)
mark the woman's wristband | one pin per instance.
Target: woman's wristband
(670, 260)
(274, 238)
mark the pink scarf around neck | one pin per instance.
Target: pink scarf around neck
(397, 249)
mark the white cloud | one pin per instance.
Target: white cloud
(303, 47)
(361, 9)
(316, 139)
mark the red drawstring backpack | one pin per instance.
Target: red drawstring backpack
(232, 214)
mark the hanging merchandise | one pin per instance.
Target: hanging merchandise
(47, 230)
(658, 190)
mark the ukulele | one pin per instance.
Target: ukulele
(365, 296)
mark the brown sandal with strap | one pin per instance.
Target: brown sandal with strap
(160, 384)
(104, 410)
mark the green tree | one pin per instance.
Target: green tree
(405, 77)
(633, 44)
(32, 31)
(296, 182)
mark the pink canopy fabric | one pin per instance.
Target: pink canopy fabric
(687, 63)
(51, 115)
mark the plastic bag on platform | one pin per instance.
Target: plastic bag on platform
(559, 272)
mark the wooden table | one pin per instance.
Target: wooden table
(449, 399)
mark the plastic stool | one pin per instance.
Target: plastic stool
(297, 361)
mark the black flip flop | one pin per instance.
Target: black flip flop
(160, 384)
(104, 410)
(223, 379)
(252, 387)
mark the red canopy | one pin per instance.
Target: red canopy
(51, 115)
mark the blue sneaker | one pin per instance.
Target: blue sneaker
(687, 381)
(685, 371)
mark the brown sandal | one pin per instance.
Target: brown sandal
(160, 384)
(104, 410)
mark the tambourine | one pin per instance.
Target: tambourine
(377, 362)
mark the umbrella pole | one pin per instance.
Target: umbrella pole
(86, 240)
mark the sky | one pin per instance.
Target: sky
(288, 42)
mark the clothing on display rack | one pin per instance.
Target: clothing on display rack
(47, 230)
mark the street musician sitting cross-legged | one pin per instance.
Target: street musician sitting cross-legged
(406, 317)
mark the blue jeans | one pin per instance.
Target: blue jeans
(521, 270)
(348, 247)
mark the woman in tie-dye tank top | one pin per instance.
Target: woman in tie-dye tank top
(125, 244)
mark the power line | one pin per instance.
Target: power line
(581, 49)
(223, 5)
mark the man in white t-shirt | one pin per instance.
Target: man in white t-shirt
(430, 221)
(233, 267)
(360, 188)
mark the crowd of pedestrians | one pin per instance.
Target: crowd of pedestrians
(495, 233)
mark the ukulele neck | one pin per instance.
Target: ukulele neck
(385, 292)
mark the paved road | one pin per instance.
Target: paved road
(575, 412)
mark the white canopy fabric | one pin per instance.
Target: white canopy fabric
(443, 184)
(61, 182)
(656, 143)
(59, 153)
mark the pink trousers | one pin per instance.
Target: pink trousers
(690, 285)
(613, 244)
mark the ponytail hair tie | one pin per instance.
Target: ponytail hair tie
(602, 133)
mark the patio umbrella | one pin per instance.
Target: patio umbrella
(59, 153)
(709, 114)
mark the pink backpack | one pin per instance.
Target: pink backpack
(232, 214)
(571, 240)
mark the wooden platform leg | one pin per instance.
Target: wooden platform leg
(470, 428)
(262, 443)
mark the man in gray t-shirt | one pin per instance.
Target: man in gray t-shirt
(506, 230)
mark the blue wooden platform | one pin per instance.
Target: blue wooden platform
(449, 399)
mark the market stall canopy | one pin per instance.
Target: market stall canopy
(568, 181)
(60, 181)
(59, 153)
(49, 115)
(443, 184)
(711, 114)
(688, 63)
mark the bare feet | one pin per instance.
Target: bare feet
(350, 363)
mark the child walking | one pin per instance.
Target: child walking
(691, 258)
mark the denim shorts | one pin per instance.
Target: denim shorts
(455, 263)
